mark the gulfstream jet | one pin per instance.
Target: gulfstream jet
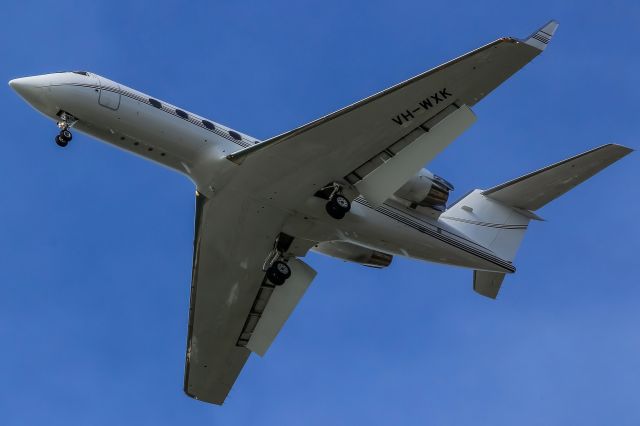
(350, 185)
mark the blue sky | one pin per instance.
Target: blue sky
(95, 244)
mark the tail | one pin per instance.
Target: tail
(497, 218)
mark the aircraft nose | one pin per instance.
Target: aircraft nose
(31, 89)
(27, 86)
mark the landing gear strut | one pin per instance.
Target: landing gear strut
(65, 136)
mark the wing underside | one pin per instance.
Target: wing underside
(232, 241)
(234, 309)
(348, 144)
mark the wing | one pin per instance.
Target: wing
(351, 143)
(233, 238)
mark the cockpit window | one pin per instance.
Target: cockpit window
(81, 72)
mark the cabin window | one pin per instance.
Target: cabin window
(182, 114)
(235, 135)
(155, 103)
(209, 125)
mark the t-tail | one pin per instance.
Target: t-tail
(497, 218)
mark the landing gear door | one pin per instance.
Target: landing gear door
(109, 96)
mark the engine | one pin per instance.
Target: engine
(426, 190)
(354, 253)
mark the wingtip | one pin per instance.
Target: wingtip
(541, 38)
(624, 149)
(550, 27)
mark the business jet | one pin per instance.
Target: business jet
(350, 185)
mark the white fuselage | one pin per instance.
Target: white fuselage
(198, 148)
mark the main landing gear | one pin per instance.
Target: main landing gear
(278, 272)
(65, 136)
(275, 265)
(337, 204)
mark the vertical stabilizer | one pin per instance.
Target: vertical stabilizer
(497, 218)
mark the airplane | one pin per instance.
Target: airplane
(350, 185)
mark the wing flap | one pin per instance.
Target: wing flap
(280, 305)
(398, 167)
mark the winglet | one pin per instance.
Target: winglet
(543, 36)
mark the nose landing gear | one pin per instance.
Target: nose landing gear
(65, 136)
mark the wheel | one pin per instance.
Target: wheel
(334, 210)
(342, 202)
(338, 206)
(61, 141)
(278, 272)
(66, 135)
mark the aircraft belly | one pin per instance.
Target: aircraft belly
(414, 238)
(145, 131)
(388, 229)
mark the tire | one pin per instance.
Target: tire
(60, 141)
(342, 202)
(66, 135)
(278, 272)
(334, 210)
(338, 206)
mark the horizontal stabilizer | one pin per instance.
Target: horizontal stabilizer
(534, 190)
(487, 283)
(497, 218)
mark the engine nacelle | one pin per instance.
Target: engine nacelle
(354, 253)
(426, 190)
